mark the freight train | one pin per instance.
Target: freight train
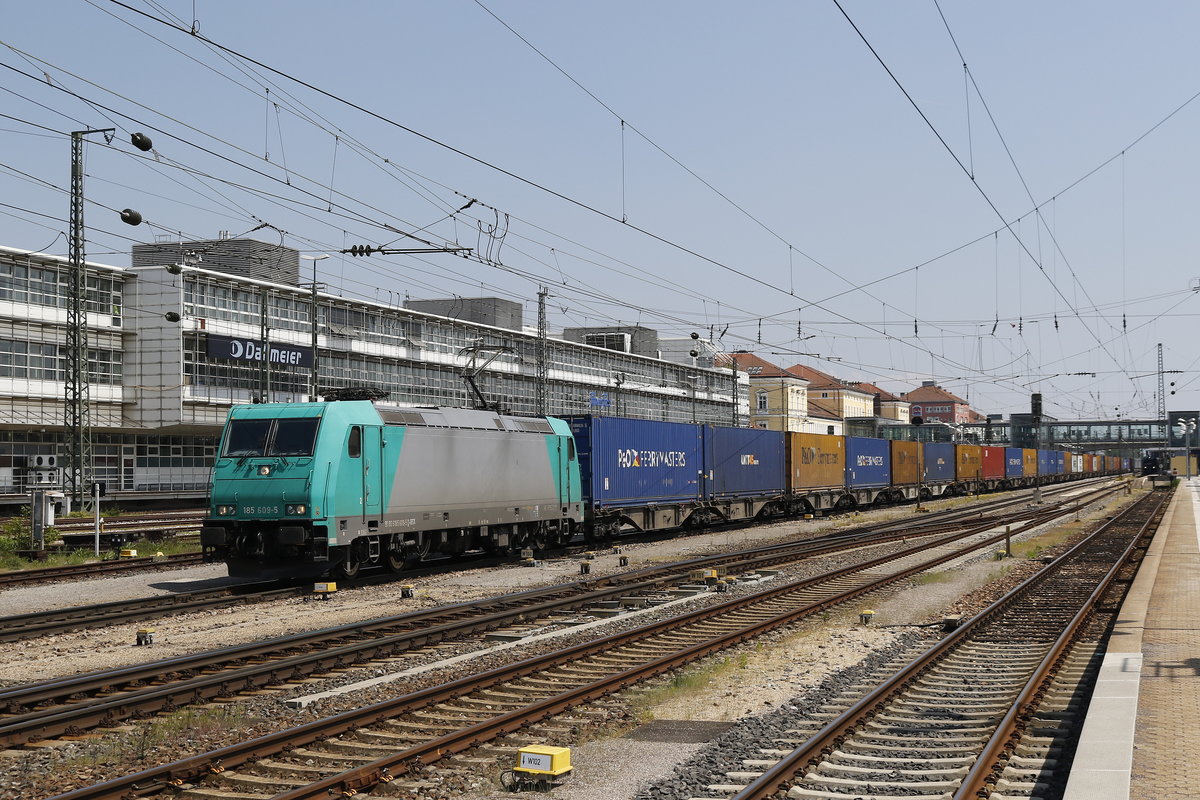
(313, 488)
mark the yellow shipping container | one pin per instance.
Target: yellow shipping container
(815, 461)
(969, 461)
(1029, 462)
(906, 463)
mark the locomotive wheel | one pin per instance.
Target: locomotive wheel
(540, 538)
(394, 556)
(350, 565)
(414, 555)
(353, 560)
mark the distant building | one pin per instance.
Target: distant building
(823, 418)
(842, 398)
(886, 405)
(178, 339)
(934, 404)
(680, 348)
(778, 399)
(245, 258)
(632, 339)
(494, 311)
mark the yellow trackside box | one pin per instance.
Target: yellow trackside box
(541, 759)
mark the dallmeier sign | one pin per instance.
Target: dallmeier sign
(252, 350)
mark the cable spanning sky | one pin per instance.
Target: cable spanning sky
(996, 198)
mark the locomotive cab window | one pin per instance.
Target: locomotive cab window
(247, 437)
(294, 437)
(354, 447)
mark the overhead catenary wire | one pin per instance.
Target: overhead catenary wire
(946, 146)
(884, 337)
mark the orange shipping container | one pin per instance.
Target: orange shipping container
(906, 463)
(815, 461)
(969, 458)
(1029, 461)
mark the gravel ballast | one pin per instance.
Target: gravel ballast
(773, 680)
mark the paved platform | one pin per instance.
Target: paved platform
(1141, 740)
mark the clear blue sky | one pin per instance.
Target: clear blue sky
(769, 169)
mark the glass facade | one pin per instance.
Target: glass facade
(421, 360)
(136, 352)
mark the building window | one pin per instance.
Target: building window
(762, 401)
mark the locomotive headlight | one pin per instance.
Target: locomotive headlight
(297, 508)
(265, 469)
(225, 511)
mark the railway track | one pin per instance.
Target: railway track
(68, 705)
(987, 709)
(66, 620)
(397, 736)
(39, 574)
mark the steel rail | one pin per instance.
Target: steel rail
(42, 722)
(826, 740)
(65, 620)
(15, 577)
(981, 779)
(73, 618)
(648, 578)
(226, 671)
(176, 773)
(355, 780)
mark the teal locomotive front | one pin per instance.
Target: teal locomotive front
(302, 489)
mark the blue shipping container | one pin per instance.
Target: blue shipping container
(744, 462)
(868, 462)
(939, 462)
(632, 462)
(1014, 467)
(1045, 462)
(1060, 465)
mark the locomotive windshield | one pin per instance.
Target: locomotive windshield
(294, 437)
(247, 437)
(266, 437)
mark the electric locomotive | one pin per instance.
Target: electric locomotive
(312, 488)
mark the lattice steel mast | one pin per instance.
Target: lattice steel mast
(77, 425)
(543, 333)
(77, 411)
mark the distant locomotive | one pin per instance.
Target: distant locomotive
(308, 488)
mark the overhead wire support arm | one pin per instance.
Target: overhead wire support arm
(370, 250)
